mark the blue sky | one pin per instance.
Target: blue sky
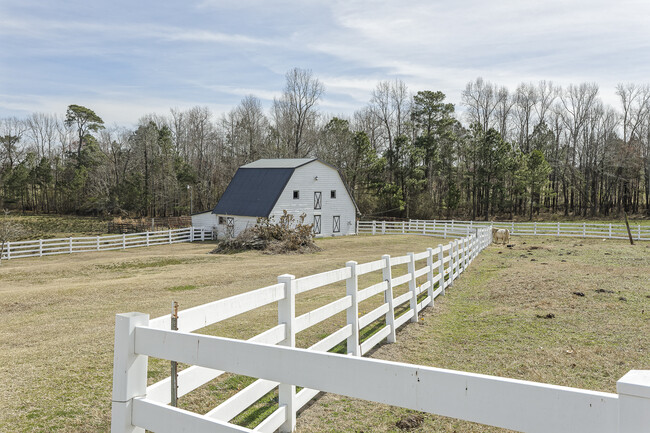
(125, 59)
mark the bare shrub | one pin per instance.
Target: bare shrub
(288, 235)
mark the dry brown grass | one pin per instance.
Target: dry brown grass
(57, 318)
(488, 323)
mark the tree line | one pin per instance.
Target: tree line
(504, 153)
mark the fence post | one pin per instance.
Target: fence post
(202, 234)
(70, 244)
(424, 227)
(639, 231)
(357, 232)
(98, 243)
(430, 275)
(441, 269)
(445, 231)
(352, 313)
(374, 228)
(40, 247)
(452, 263)
(512, 226)
(129, 372)
(634, 401)
(8, 250)
(584, 229)
(287, 316)
(403, 227)
(535, 228)
(147, 237)
(388, 297)
(170, 236)
(383, 227)
(452, 225)
(558, 228)
(192, 234)
(413, 287)
(123, 241)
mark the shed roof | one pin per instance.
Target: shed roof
(279, 163)
(253, 191)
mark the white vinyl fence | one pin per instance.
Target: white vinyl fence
(273, 358)
(584, 230)
(47, 247)
(428, 274)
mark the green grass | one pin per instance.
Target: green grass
(182, 288)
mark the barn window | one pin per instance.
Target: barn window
(296, 194)
(318, 200)
(316, 224)
(222, 220)
(337, 224)
(333, 193)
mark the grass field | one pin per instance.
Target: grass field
(56, 226)
(56, 326)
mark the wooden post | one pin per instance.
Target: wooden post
(192, 234)
(147, 237)
(430, 275)
(627, 224)
(70, 245)
(558, 228)
(388, 297)
(352, 313)
(8, 250)
(374, 227)
(445, 231)
(202, 234)
(170, 236)
(129, 372)
(98, 245)
(403, 227)
(287, 316)
(413, 287)
(584, 229)
(639, 231)
(40, 247)
(123, 241)
(383, 227)
(441, 269)
(634, 402)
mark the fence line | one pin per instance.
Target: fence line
(428, 275)
(584, 230)
(47, 247)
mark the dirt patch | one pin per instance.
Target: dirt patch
(410, 422)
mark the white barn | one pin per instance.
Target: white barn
(267, 187)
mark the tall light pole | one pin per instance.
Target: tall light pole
(189, 188)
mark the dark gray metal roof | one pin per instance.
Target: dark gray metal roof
(279, 163)
(253, 191)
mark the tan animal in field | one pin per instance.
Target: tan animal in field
(500, 235)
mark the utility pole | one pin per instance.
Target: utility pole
(191, 190)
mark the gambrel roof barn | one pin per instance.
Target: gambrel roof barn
(268, 187)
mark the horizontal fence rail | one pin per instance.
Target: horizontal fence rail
(455, 227)
(48, 247)
(418, 278)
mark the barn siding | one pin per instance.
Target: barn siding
(328, 179)
(206, 220)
